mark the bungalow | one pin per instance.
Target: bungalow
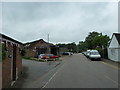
(11, 60)
(114, 48)
(35, 48)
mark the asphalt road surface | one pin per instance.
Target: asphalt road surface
(80, 72)
(33, 71)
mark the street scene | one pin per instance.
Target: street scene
(75, 71)
(52, 45)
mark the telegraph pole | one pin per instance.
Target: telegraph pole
(48, 38)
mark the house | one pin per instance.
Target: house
(114, 48)
(35, 48)
(11, 60)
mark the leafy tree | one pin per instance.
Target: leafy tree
(101, 41)
(72, 47)
(82, 46)
(95, 40)
(90, 38)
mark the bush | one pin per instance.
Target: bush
(3, 52)
(103, 52)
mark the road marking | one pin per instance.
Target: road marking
(116, 67)
(53, 76)
(112, 80)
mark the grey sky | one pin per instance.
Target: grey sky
(65, 22)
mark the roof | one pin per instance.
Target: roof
(9, 38)
(38, 41)
(117, 35)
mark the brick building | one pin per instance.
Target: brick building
(35, 48)
(11, 60)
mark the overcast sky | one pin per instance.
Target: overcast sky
(63, 21)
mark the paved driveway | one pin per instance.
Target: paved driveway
(32, 72)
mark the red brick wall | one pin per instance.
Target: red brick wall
(6, 66)
(6, 73)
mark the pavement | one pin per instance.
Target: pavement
(80, 72)
(32, 73)
(117, 64)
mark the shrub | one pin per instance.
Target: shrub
(3, 52)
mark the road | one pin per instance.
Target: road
(80, 72)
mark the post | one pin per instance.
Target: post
(48, 38)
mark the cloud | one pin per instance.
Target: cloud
(65, 22)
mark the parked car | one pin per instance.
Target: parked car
(67, 53)
(42, 56)
(87, 53)
(94, 54)
(84, 53)
(52, 56)
(48, 56)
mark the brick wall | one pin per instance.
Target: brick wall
(31, 50)
(6, 73)
(19, 61)
(7, 66)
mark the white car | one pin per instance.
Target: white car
(87, 53)
(41, 56)
(68, 53)
(94, 54)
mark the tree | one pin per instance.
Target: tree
(101, 41)
(95, 40)
(90, 38)
(82, 46)
(72, 47)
